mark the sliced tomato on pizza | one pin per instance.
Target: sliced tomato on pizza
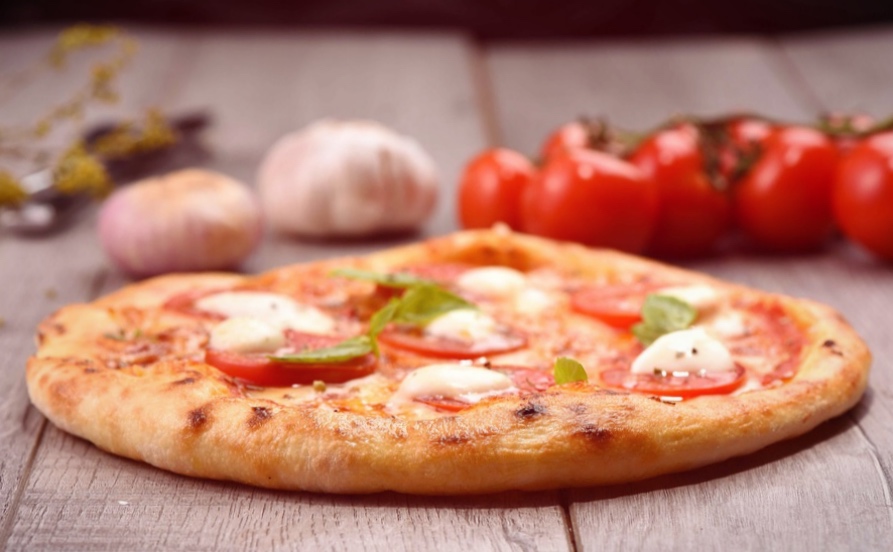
(271, 370)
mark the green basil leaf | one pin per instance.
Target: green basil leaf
(346, 350)
(380, 319)
(646, 334)
(423, 303)
(397, 280)
(662, 314)
(568, 370)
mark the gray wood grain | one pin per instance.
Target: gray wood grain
(259, 86)
(636, 85)
(755, 502)
(845, 71)
(38, 274)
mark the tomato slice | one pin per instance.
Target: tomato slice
(414, 341)
(527, 380)
(692, 385)
(617, 305)
(259, 369)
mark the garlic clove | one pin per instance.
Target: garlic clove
(190, 220)
(347, 179)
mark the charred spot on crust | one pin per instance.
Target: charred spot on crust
(593, 433)
(184, 381)
(90, 370)
(259, 415)
(198, 417)
(831, 345)
(530, 410)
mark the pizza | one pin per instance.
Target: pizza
(477, 362)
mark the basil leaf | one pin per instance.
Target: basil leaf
(422, 303)
(646, 334)
(568, 370)
(340, 352)
(380, 319)
(398, 280)
(663, 314)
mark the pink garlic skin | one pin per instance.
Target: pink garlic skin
(190, 220)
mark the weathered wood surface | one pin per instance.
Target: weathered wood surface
(827, 490)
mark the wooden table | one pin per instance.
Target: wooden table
(829, 490)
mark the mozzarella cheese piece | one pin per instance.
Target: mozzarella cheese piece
(727, 324)
(534, 301)
(454, 381)
(701, 297)
(275, 310)
(492, 281)
(463, 325)
(691, 350)
(246, 335)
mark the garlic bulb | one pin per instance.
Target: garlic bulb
(188, 220)
(346, 179)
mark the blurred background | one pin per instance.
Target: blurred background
(485, 19)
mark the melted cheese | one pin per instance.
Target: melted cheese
(246, 335)
(727, 324)
(691, 350)
(275, 310)
(454, 381)
(700, 296)
(534, 301)
(492, 281)
(463, 325)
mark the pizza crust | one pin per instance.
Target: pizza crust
(185, 416)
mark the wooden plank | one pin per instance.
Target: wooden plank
(846, 71)
(417, 84)
(260, 86)
(835, 472)
(636, 85)
(40, 274)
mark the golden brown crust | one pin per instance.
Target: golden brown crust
(175, 412)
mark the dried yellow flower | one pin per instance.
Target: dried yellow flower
(79, 172)
(78, 37)
(127, 138)
(11, 192)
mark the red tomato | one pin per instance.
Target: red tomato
(416, 342)
(784, 202)
(618, 305)
(863, 194)
(568, 137)
(259, 369)
(592, 198)
(491, 187)
(694, 212)
(711, 383)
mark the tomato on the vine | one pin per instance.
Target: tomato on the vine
(783, 203)
(592, 198)
(863, 194)
(491, 188)
(695, 210)
(568, 137)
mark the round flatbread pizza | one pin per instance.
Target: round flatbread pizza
(477, 362)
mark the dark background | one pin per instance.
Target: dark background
(486, 19)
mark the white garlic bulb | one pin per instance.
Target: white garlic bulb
(346, 179)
